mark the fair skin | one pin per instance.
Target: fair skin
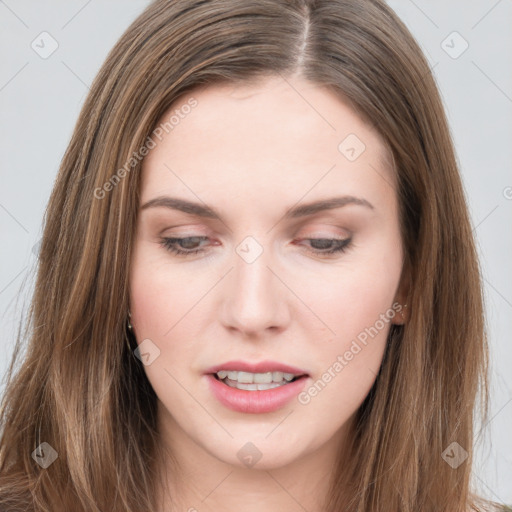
(251, 153)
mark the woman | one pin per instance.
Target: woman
(258, 286)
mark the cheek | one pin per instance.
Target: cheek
(349, 361)
(353, 300)
(166, 308)
(152, 291)
(358, 307)
(158, 300)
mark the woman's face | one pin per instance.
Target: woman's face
(264, 181)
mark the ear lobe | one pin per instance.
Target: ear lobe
(401, 299)
(401, 314)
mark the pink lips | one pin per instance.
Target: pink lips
(255, 402)
(261, 367)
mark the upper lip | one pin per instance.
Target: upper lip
(256, 367)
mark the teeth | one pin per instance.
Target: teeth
(261, 378)
(245, 378)
(277, 376)
(253, 387)
(256, 378)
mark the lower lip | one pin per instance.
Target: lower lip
(255, 402)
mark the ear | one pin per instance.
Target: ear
(402, 308)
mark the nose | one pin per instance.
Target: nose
(254, 298)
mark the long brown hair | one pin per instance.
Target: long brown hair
(78, 387)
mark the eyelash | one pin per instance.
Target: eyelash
(341, 245)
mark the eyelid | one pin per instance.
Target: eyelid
(340, 246)
(306, 233)
(323, 232)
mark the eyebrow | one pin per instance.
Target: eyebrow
(302, 210)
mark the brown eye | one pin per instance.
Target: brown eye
(328, 245)
(183, 246)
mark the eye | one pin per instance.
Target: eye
(189, 245)
(171, 244)
(327, 246)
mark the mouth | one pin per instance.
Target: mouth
(255, 387)
(255, 397)
(249, 381)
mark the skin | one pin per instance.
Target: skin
(252, 152)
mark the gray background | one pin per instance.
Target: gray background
(40, 100)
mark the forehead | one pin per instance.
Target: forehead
(265, 137)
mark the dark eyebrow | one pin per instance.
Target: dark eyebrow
(325, 204)
(202, 210)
